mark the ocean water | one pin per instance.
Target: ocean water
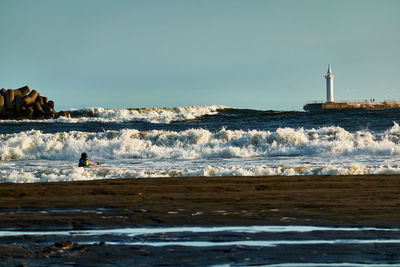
(199, 141)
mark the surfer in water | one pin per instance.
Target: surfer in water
(84, 162)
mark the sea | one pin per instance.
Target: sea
(208, 141)
(199, 141)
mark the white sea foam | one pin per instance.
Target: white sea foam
(198, 144)
(156, 115)
(34, 156)
(40, 174)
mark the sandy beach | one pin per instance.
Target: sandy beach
(367, 200)
(307, 200)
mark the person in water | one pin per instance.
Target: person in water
(84, 162)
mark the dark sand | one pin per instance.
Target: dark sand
(302, 200)
(365, 200)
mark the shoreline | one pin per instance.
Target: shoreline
(350, 200)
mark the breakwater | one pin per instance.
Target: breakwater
(24, 103)
(345, 106)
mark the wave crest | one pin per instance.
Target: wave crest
(198, 143)
(152, 115)
(79, 174)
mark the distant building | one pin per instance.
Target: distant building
(329, 85)
(331, 105)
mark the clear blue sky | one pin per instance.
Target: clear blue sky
(166, 53)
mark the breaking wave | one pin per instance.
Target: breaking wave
(36, 156)
(79, 174)
(151, 115)
(198, 143)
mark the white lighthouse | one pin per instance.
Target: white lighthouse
(329, 85)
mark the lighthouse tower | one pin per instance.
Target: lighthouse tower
(329, 85)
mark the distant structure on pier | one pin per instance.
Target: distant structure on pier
(329, 85)
(331, 105)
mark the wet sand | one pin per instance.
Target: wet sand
(302, 200)
(367, 200)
